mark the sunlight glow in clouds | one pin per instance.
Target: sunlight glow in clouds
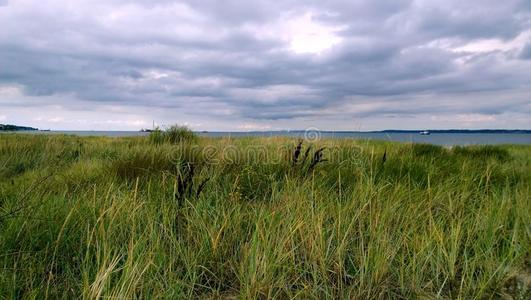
(308, 36)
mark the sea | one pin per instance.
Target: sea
(445, 139)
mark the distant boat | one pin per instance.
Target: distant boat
(424, 132)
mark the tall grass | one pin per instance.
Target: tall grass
(123, 218)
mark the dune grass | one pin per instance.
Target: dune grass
(97, 217)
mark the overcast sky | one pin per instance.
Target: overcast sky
(266, 65)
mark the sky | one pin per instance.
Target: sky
(246, 65)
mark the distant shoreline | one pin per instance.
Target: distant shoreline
(13, 128)
(459, 131)
(509, 131)
(9, 127)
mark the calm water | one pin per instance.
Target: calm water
(434, 138)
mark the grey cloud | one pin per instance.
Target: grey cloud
(526, 51)
(471, 19)
(391, 52)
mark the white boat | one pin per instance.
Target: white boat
(424, 132)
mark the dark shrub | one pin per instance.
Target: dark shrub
(174, 134)
(156, 136)
(482, 152)
(141, 163)
(427, 150)
(177, 134)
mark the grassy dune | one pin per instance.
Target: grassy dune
(98, 217)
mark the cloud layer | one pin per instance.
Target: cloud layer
(230, 65)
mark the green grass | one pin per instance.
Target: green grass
(99, 217)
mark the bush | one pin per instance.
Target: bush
(156, 136)
(138, 163)
(174, 134)
(427, 150)
(483, 152)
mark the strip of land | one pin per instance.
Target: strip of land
(9, 127)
